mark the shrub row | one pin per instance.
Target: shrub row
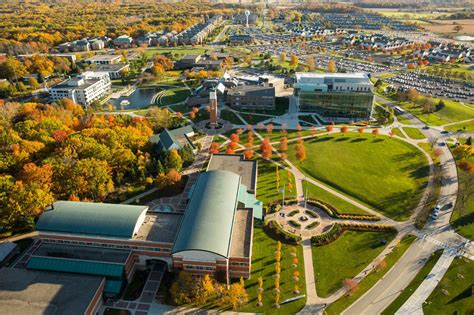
(339, 228)
(292, 213)
(331, 211)
(312, 225)
(294, 223)
(311, 213)
(275, 206)
(275, 230)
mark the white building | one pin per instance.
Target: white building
(84, 89)
(104, 59)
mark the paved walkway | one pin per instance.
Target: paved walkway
(414, 305)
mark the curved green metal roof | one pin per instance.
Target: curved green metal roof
(87, 218)
(209, 216)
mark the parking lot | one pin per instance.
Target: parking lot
(434, 86)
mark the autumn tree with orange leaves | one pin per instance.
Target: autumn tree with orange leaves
(266, 148)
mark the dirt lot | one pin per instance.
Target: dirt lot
(447, 26)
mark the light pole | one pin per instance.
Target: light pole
(283, 192)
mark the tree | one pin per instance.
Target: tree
(375, 132)
(248, 154)
(283, 146)
(380, 264)
(344, 130)
(457, 28)
(329, 128)
(173, 160)
(360, 130)
(165, 62)
(350, 285)
(234, 296)
(310, 63)
(184, 289)
(294, 61)
(266, 148)
(214, 148)
(300, 152)
(158, 70)
(34, 83)
(332, 66)
(234, 137)
(12, 69)
(269, 128)
(412, 95)
(282, 58)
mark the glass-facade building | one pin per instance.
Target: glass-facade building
(339, 97)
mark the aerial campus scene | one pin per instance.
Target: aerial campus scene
(236, 157)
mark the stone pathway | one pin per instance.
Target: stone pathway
(143, 304)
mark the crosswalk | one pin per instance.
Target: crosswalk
(458, 249)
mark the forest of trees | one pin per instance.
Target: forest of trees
(59, 151)
(54, 23)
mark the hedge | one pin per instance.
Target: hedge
(275, 206)
(292, 213)
(339, 228)
(275, 230)
(294, 223)
(312, 225)
(311, 213)
(331, 211)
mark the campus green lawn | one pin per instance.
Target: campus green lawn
(341, 205)
(414, 284)
(462, 218)
(267, 189)
(263, 264)
(253, 119)
(182, 108)
(401, 119)
(458, 282)
(176, 51)
(276, 135)
(398, 132)
(385, 173)
(173, 96)
(345, 258)
(414, 133)
(465, 127)
(370, 280)
(452, 112)
(230, 116)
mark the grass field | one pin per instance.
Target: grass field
(370, 280)
(176, 51)
(386, 173)
(398, 132)
(263, 264)
(465, 126)
(345, 258)
(414, 133)
(253, 119)
(267, 189)
(292, 134)
(173, 96)
(341, 205)
(403, 120)
(447, 27)
(462, 218)
(458, 282)
(230, 116)
(414, 284)
(452, 112)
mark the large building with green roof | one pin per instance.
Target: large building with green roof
(212, 236)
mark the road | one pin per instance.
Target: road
(437, 234)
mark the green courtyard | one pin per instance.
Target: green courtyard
(345, 258)
(386, 173)
(263, 264)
